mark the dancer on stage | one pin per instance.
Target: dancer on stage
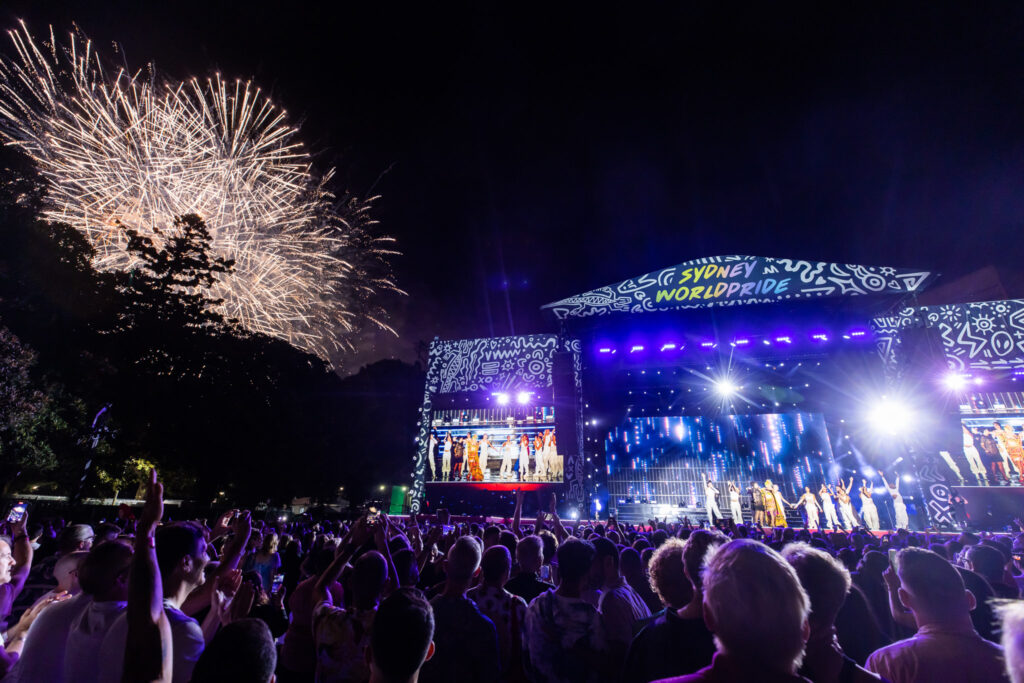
(1003, 443)
(973, 456)
(902, 520)
(549, 453)
(473, 459)
(990, 456)
(524, 457)
(958, 508)
(432, 454)
(485, 454)
(508, 455)
(459, 458)
(539, 470)
(446, 458)
(710, 501)
(811, 508)
(757, 503)
(1015, 448)
(846, 504)
(829, 507)
(868, 511)
(951, 464)
(734, 504)
(773, 502)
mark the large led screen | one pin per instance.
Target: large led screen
(490, 446)
(663, 460)
(992, 427)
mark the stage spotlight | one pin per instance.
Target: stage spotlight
(523, 397)
(784, 340)
(725, 387)
(668, 347)
(908, 478)
(868, 471)
(891, 417)
(502, 399)
(637, 348)
(979, 381)
(954, 381)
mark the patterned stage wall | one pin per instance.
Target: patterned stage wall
(737, 280)
(986, 336)
(496, 364)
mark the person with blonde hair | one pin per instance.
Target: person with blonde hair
(827, 582)
(1012, 614)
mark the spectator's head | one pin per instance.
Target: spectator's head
(496, 566)
(550, 544)
(402, 637)
(75, 537)
(405, 567)
(463, 561)
(66, 571)
(873, 563)
(658, 537)
(668, 578)
(242, 651)
(7, 561)
(106, 532)
(1013, 639)
(181, 555)
(631, 564)
(369, 574)
(491, 536)
(270, 542)
(986, 561)
(695, 552)
(932, 588)
(755, 605)
(574, 559)
(509, 540)
(825, 580)
(530, 554)
(605, 568)
(103, 574)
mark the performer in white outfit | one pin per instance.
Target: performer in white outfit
(710, 501)
(973, 457)
(431, 454)
(446, 458)
(1009, 466)
(539, 469)
(549, 452)
(846, 504)
(868, 511)
(484, 454)
(902, 520)
(811, 507)
(508, 454)
(524, 457)
(951, 464)
(829, 507)
(734, 504)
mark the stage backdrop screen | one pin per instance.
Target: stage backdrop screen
(993, 426)
(662, 460)
(490, 446)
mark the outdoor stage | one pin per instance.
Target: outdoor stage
(736, 369)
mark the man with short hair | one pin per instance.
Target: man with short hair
(946, 647)
(242, 652)
(633, 572)
(564, 640)
(530, 556)
(619, 605)
(757, 609)
(402, 638)
(991, 565)
(466, 642)
(1013, 639)
(507, 611)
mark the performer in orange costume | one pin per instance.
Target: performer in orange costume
(473, 458)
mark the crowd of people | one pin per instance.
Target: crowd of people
(434, 599)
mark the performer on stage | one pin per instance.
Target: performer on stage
(756, 503)
(1015, 448)
(459, 458)
(902, 520)
(846, 504)
(990, 456)
(958, 508)
(951, 464)
(811, 508)
(773, 502)
(549, 453)
(973, 456)
(829, 507)
(432, 454)
(868, 511)
(524, 457)
(710, 501)
(734, 504)
(1003, 443)
(485, 454)
(446, 458)
(508, 454)
(473, 459)
(539, 470)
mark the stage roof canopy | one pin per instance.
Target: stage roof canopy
(736, 280)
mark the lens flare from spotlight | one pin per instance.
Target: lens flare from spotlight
(725, 387)
(954, 381)
(502, 399)
(891, 417)
(523, 397)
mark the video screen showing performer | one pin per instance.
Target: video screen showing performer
(769, 460)
(992, 427)
(494, 445)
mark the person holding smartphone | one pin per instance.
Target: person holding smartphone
(15, 560)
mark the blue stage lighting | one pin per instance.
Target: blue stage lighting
(708, 344)
(637, 348)
(742, 342)
(668, 347)
(819, 336)
(784, 340)
(523, 397)
(606, 349)
(502, 399)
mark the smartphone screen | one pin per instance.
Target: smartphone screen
(278, 582)
(447, 528)
(545, 572)
(17, 512)
(892, 558)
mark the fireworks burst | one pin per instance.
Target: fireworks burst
(133, 150)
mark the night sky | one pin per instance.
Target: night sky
(528, 153)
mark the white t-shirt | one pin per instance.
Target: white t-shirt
(88, 631)
(42, 658)
(186, 638)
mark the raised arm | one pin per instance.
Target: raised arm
(22, 552)
(517, 516)
(241, 528)
(148, 650)
(356, 536)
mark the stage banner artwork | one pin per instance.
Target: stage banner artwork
(985, 335)
(736, 280)
(486, 367)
